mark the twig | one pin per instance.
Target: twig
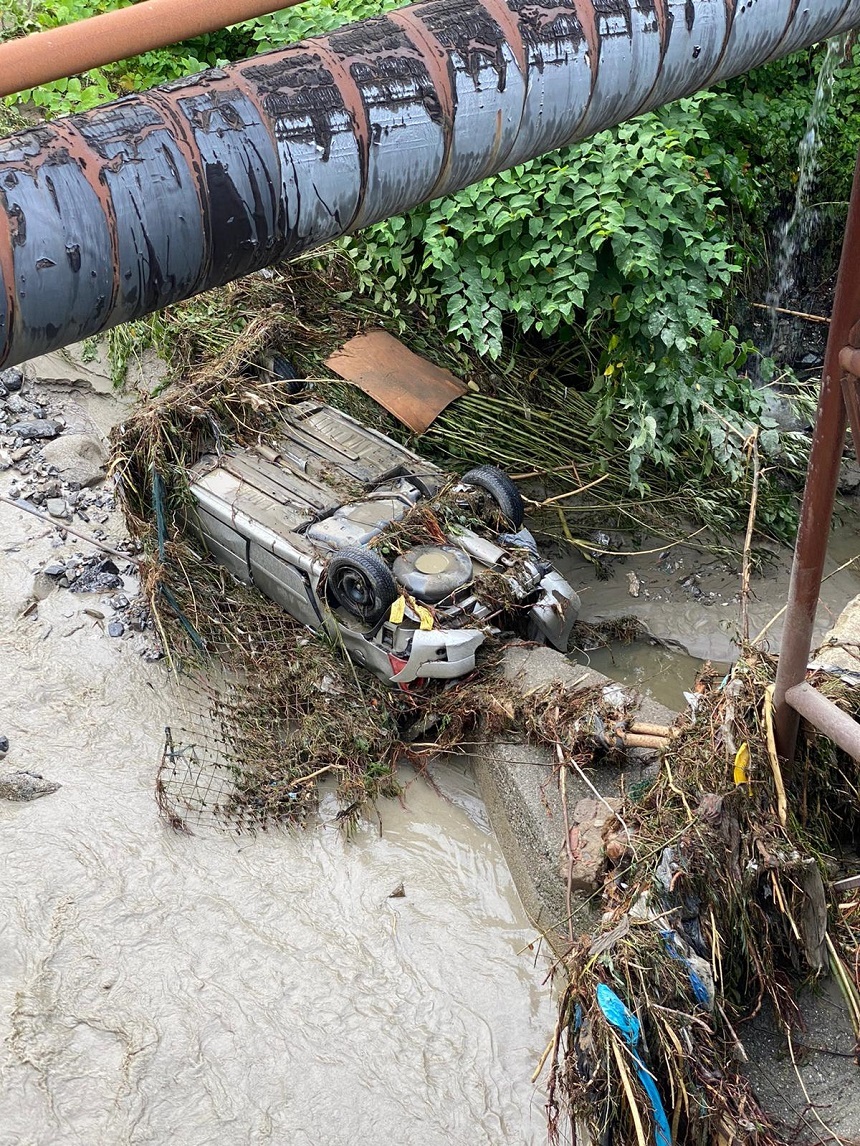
(747, 563)
(571, 763)
(793, 313)
(628, 1090)
(781, 800)
(69, 529)
(569, 493)
(635, 552)
(568, 843)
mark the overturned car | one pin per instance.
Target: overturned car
(354, 534)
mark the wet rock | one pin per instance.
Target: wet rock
(57, 507)
(97, 575)
(11, 379)
(15, 404)
(55, 569)
(116, 629)
(22, 786)
(849, 476)
(37, 429)
(43, 586)
(78, 458)
(586, 850)
(4, 746)
(779, 410)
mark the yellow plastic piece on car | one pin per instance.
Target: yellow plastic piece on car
(398, 611)
(425, 618)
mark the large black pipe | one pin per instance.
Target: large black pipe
(111, 214)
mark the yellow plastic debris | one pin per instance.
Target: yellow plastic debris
(398, 611)
(425, 618)
(742, 764)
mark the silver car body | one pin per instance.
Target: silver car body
(275, 514)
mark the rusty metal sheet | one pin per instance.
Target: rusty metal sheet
(408, 386)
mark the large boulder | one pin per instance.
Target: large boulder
(78, 458)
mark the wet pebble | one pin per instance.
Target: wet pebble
(37, 429)
(12, 379)
(116, 629)
(4, 746)
(57, 507)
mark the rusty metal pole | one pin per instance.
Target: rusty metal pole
(116, 212)
(820, 493)
(74, 48)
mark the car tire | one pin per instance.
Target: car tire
(360, 582)
(501, 489)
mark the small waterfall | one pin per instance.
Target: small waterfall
(794, 232)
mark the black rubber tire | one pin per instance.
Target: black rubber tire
(360, 582)
(501, 489)
(284, 371)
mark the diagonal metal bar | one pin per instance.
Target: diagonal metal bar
(820, 493)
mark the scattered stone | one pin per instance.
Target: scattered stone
(4, 746)
(6, 460)
(43, 586)
(399, 892)
(586, 842)
(116, 629)
(57, 507)
(12, 379)
(633, 584)
(21, 786)
(55, 569)
(849, 476)
(96, 575)
(15, 404)
(21, 454)
(39, 429)
(78, 458)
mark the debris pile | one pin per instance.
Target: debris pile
(716, 905)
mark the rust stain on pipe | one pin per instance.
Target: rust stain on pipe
(146, 201)
(74, 48)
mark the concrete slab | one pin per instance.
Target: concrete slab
(520, 785)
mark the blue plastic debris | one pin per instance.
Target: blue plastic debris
(626, 1023)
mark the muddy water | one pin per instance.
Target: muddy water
(159, 988)
(690, 600)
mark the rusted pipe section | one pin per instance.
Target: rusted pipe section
(75, 48)
(827, 717)
(116, 212)
(820, 494)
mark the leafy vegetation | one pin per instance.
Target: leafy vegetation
(627, 252)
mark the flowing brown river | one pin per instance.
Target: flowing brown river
(163, 988)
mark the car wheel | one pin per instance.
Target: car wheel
(501, 489)
(360, 582)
